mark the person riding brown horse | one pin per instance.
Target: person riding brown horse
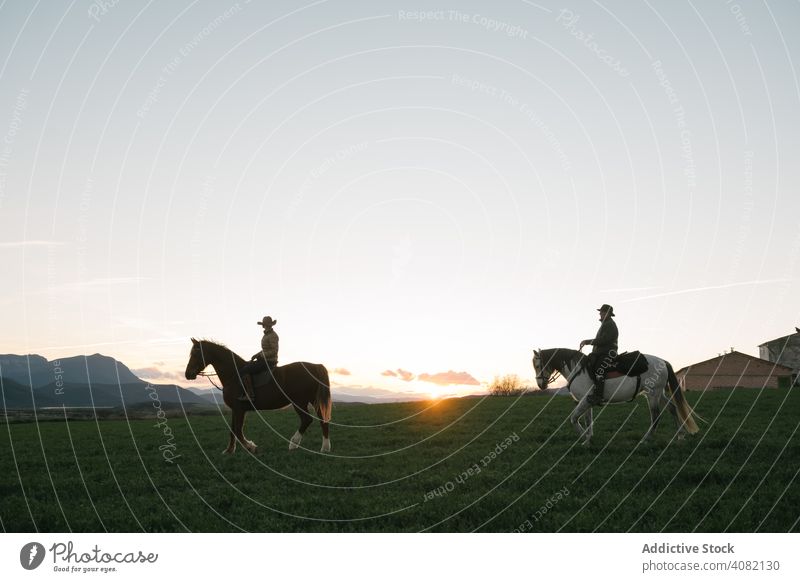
(299, 384)
(604, 351)
(266, 359)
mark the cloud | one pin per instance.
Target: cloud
(99, 284)
(626, 289)
(153, 373)
(105, 281)
(341, 371)
(29, 243)
(404, 375)
(450, 377)
(709, 288)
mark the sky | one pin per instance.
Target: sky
(420, 193)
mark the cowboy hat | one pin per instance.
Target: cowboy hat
(267, 321)
(606, 307)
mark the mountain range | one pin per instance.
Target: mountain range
(96, 381)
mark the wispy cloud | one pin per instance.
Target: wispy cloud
(341, 371)
(708, 288)
(29, 243)
(448, 378)
(390, 373)
(102, 282)
(626, 289)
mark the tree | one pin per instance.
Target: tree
(508, 385)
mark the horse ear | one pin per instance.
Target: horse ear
(194, 341)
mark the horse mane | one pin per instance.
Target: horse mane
(558, 358)
(214, 344)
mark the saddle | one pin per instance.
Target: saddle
(628, 364)
(263, 379)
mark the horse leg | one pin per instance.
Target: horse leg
(326, 441)
(575, 419)
(322, 406)
(655, 414)
(232, 439)
(305, 421)
(581, 409)
(248, 444)
(590, 428)
(673, 410)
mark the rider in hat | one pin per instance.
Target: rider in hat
(267, 358)
(604, 350)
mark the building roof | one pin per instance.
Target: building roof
(777, 367)
(780, 339)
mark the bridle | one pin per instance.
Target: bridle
(540, 377)
(553, 375)
(207, 375)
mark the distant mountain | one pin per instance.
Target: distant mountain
(36, 371)
(215, 397)
(211, 396)
(82, 381)
(364, 399)
(16, 395)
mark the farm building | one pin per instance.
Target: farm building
(785, 351)
(734, 370)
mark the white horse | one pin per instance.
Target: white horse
(658, 383)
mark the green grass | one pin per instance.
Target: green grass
(738, 474)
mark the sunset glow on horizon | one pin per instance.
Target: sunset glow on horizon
(420, 203)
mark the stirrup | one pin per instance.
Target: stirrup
(595, 398)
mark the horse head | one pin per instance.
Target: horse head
(197, 362)
(542, 368)
(548, 364)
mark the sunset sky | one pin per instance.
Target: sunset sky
(419, 198)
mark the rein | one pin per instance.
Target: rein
(207, 375)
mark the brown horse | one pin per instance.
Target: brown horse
(300, 384)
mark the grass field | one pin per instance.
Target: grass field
(738, 474)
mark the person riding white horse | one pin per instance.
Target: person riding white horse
(266, 359)
(604, 350)
(636, 373)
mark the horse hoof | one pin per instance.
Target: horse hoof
(681, 436)
(326, 446)
(294, 442)
(227, 452)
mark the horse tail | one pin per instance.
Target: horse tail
(685, 412)
(323, 403)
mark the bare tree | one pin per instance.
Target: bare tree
(508, 385)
